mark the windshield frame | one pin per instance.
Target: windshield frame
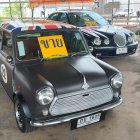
(101, 17)
(15, 34)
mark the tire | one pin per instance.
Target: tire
(23, 122)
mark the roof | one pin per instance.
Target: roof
(18, 26)
(74, 10)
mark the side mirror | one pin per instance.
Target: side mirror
(90, 48)
(109, 21)
(9, 43)
(9, 59)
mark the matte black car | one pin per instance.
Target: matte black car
(50, 75)
(106, 40)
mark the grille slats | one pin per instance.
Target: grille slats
(79, 102)
(120, 39)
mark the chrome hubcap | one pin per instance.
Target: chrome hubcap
(18, 114)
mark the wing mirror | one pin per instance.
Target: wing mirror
(9, 42)
(9, 59)
(90, 48)
(109, 21)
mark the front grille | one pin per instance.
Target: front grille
(120, 39)
(80, 101)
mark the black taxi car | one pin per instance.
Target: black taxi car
(50, 75)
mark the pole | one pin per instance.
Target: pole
(10, 10)
(20, 9)
(128, 11)
(112, 9)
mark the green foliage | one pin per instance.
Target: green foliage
(6, 12)
(15, 10)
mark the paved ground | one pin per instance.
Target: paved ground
(121, 123)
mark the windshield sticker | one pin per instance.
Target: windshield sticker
(21, 48)
(90, 23)
(52, 46)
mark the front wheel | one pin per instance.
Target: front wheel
(22, 121)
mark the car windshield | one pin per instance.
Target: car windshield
(50, 45)
(87, 19)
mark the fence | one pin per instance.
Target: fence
(11, 9)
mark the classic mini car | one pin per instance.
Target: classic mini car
(106, 39)
(50, 75)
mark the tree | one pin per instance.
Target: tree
(15, 10)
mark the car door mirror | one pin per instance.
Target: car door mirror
(9, 42)
(109, 21)
(90, 48)
(9, 59)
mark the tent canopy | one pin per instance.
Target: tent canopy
(35, 3)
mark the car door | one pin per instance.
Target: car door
(6, 68)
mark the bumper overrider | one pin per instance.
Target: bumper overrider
(114, 103)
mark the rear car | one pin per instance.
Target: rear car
(106, 39)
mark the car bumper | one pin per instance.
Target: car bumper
(67, 118)
(111, 51)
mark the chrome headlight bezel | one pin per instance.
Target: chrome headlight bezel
(45, 96)
(116, 81)
(106, 41)
(97, 41)
(134, 38)
(130, 39)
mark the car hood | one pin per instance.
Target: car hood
(69, 74)
(106, 29)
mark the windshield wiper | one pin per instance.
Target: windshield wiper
(80, 52)
(51, 57)
(59, 55)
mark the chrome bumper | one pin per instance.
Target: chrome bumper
(76, 115)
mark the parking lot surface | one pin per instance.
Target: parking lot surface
(122, 122)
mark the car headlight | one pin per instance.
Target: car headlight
(134, 38)
(97, 41)
(117, 80)
(106, 41)
(130, 39)
(45, 96)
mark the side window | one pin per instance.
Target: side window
(63, 18)
(7, 43)
(53, 16)
(73, 18)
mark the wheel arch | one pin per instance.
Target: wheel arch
(23, 103)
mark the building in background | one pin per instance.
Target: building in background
(106, 6)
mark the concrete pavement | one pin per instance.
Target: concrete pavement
(122, 122)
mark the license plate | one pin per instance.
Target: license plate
(121, 50)
(80, 122)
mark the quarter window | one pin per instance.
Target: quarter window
(53, 16)
(7, 43)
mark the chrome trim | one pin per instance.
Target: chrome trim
(76, 115)
(85, 85)
(82, 92)
(120, 38)
(75, 93)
